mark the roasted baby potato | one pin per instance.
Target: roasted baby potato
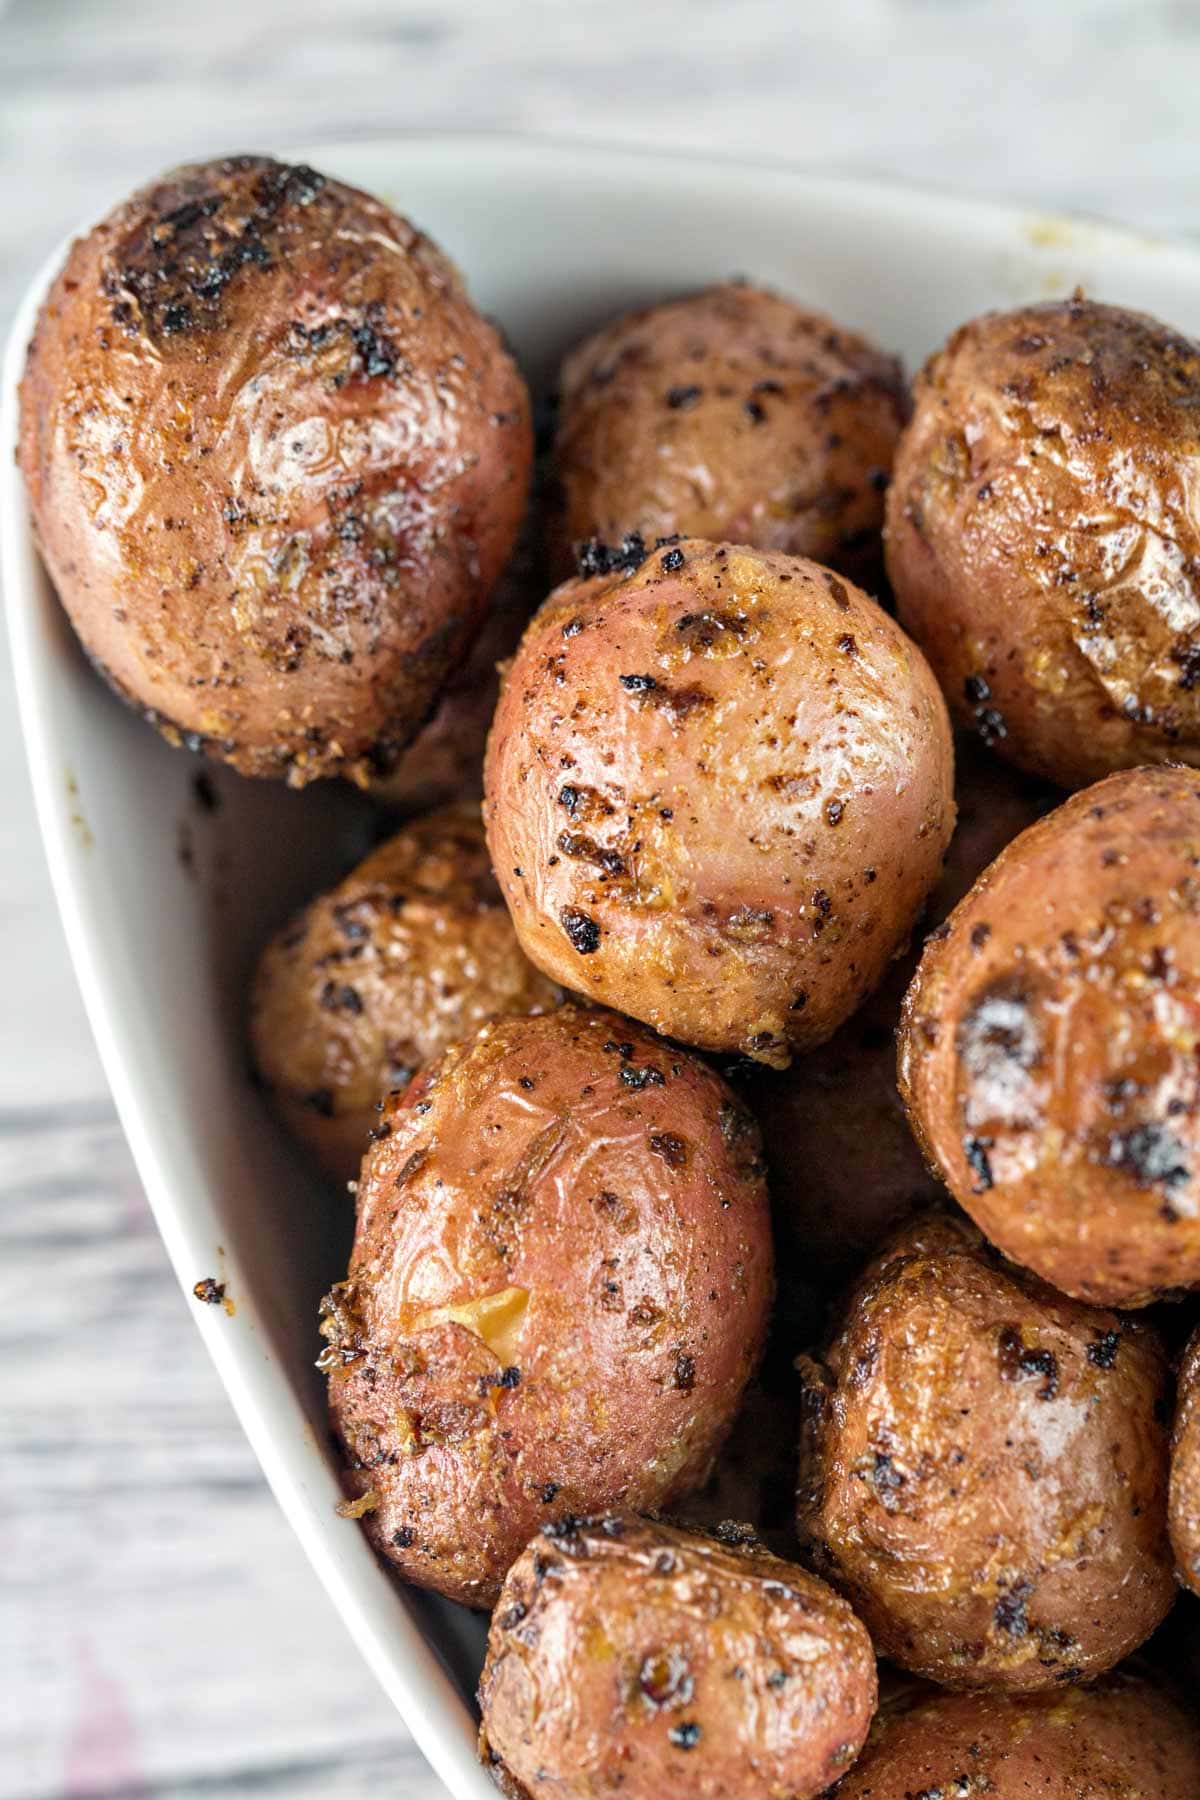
(412, 951)
(983, 1469)
(1048, 1048)
(687, 1663)
(717, 791)
(1042, 540)
(558, 1290)
(1185, 1468)
(1121, 1740)
(731, 414)
(275, 462)
(843, 1163)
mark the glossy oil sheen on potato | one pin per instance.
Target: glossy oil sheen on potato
(983, 1469)
(1048, 1050)
(275, 462)
(730, 414)
(718, 789)
(1043, 541)
(1123, 1740)
(558, 1291)
(696, 1668)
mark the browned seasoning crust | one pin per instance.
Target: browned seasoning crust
(1048, 1048)
(275, 462)
(558, 1290)
(843, 1163)
(1042, 537)
(718, 788)
(983, 1469)
(731, 414)
(1185, 1468)
(412, 951)
(695, 1668)
(1120, 1740)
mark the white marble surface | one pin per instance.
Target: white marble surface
(161, 1634)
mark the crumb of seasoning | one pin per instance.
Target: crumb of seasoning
(671, 560)
(581, 929)
(679, 399)
(354, 1509)
(1102, 1352)
(211, 1292)
(685, 1736)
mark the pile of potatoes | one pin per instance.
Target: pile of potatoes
(714, 1349)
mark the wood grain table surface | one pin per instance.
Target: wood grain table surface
(160, 1632)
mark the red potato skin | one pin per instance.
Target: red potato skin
(1048, 1046)
(275, 462)
(687, 1667)
(731, 414)
(717, 791)
(1042, 539)
(983, 1469)
(616, 1185)
(1185, 1468)
(412, 951)
(844, 1165)
(1120, 1740)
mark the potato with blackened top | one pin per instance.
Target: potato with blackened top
(983, 1468)
(694, 1666)
(1042, 540)
(1185, 1468)
(1120, 1740)
(379, 976)
(718, 788)
(559, 1288)
(730, 414)
(275, 462)
(843, 1163)
(1049, 1043)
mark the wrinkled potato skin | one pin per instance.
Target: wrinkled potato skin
(982, 1470)
(275, 461)
(613, 1635)
(539, 1158)
(732, 414)
(844, 1165)
(1185, 1468)
(1042, 538)
(1122, 1740)
(717, 791)
(1048, 1046)
(412, 951)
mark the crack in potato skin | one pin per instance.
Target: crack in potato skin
(528, 1174)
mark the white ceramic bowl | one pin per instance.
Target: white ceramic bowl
(165, 902)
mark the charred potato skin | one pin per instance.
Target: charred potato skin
(717, 791)
(377, 977)
(1185, 1468)
(1041, 539)
(608, 1189)
(695, 1666)
(275, 462)
(1047, 1049)
(1110, 1742)
(731, 414)
(983, 1469)
(843, 1163)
